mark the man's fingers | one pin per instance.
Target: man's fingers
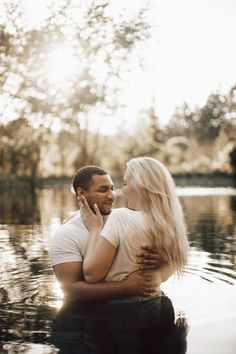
(144, 255)
(149, 248)
(147, 258)
(148, 276)
(149, 262)
(148, 255)
(148, 267)
(149, 290)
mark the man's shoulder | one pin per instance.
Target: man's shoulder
(71, 226)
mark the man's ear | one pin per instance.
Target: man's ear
(80, 192)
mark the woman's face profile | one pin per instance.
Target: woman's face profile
(130, 192)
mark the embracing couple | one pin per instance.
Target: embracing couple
(99, 255)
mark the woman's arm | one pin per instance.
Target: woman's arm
(70, 277)
(100, 253)
(99, 256)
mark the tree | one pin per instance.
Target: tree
(98, 46)
(210, 118)
(204, 123)
(231, 102)
(182, 122)
(19, 150)
(232, 156)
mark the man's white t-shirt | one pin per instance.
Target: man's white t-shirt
(125, 229)
(69, 241)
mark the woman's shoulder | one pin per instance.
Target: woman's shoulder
(123, 211)
(127, 213)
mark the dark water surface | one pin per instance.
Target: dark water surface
(204, 299)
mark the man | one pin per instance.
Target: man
(69, 245)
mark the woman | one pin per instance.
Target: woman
(154, 217)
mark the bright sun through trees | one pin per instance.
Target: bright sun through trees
(61, 65)
(79, 74)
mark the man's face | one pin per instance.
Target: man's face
(101, 192)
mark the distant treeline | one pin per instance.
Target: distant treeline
(46, 121)
(194, 142)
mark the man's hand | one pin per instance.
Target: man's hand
(149, 258)
(143, 283)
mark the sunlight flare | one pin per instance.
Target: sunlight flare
(61, 65)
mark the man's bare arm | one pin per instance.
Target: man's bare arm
(70, 277)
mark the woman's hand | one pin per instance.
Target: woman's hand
(92, 219)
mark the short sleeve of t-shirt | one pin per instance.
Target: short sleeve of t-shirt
(115, 226)
(64, 247)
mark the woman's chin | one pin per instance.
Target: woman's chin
(131, 206)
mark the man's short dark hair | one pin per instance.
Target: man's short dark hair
(83, 176)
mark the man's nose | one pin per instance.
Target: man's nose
(112, 194)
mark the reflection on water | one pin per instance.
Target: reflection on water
(19, 208)
(30, 296)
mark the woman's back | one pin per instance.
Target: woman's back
(126, 230)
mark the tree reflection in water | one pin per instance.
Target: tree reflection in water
(211, 226)
(19, 207)
(145, 326)
(29, 293)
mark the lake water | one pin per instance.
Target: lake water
(205, 297)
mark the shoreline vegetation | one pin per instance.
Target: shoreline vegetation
(52, 124)
(18, 184)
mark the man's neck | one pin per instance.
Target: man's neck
(105, 217)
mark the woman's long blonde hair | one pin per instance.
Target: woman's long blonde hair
(163, 210)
